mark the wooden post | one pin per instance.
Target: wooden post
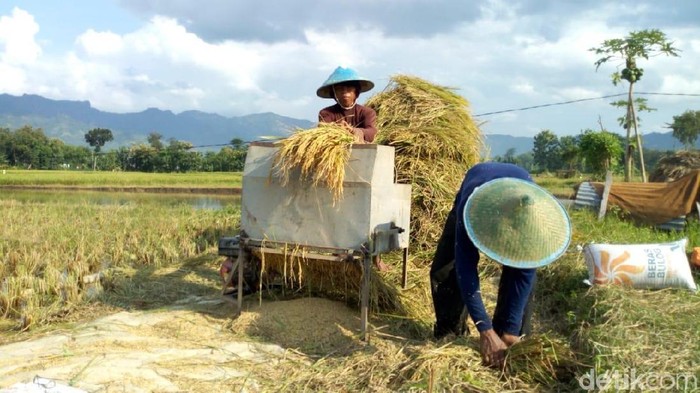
(606, 194)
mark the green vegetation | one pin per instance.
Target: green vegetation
(686, 128)
(62, 178)
(155, 256)
(600, 151)
(97, 137)
(30, 148)
(589, 152)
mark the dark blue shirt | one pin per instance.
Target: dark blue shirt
(466, 254)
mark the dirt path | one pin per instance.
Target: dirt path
(190, 346)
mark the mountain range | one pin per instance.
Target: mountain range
(70, 120)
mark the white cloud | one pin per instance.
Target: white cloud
(17, 33)
(524, 87)
(95, 43)
(12, 80)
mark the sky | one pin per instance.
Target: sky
(242, 57)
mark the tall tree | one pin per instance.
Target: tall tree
(686, 128)
(637, 45)
(97, 137)
(569, 151)
(546, 150)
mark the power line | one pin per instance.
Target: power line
(523, 109)
(668, 94)
(583, 99)
(552, 104)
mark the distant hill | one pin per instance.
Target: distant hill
(70, 120)
(498, 144)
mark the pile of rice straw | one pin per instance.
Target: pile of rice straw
(543, 360)
(436, 141)
(674, 166)
(319, 154)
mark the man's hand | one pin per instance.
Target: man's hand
(492, 349)
(510, 339)
(359, 135)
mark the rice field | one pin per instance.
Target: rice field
(48, 178)
(50, 251)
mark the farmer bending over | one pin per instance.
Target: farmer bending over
(501, 212)
(345, 86)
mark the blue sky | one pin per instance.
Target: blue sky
(241, 57)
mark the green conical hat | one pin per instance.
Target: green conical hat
(517, 223)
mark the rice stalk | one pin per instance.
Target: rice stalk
(318, 154)
(540, 359)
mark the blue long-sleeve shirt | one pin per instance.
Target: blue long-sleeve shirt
(466, 253)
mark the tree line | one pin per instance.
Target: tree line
(29, 147)
(596, 152)
(589, 152)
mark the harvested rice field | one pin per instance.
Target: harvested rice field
(127, 298)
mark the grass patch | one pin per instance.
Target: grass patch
(154, 256)
(19, 177)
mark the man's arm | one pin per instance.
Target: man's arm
(368, 126)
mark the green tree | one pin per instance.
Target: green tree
(177, 157)
(29, 147)
(97, 137)
(637, 45)
(525, 160)
(155, 140)
(509, 156)
(546, 151)
(601, 150)
(237, 143)
(686, 128)
(140, 158)
(77, 157)
(569, 151)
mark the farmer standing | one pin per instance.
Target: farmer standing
(501, 212)
(344, 85)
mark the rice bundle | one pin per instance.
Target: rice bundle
(674, 166)
(320, 155)
(436, 141)
(542, 360)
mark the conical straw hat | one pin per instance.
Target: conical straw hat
(341, 75)
(517, 223)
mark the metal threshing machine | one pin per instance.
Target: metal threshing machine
(372, 217)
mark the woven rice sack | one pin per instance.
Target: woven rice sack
(660, 265)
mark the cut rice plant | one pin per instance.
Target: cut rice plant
(318, 154)
(541, 359)
(436, 141)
